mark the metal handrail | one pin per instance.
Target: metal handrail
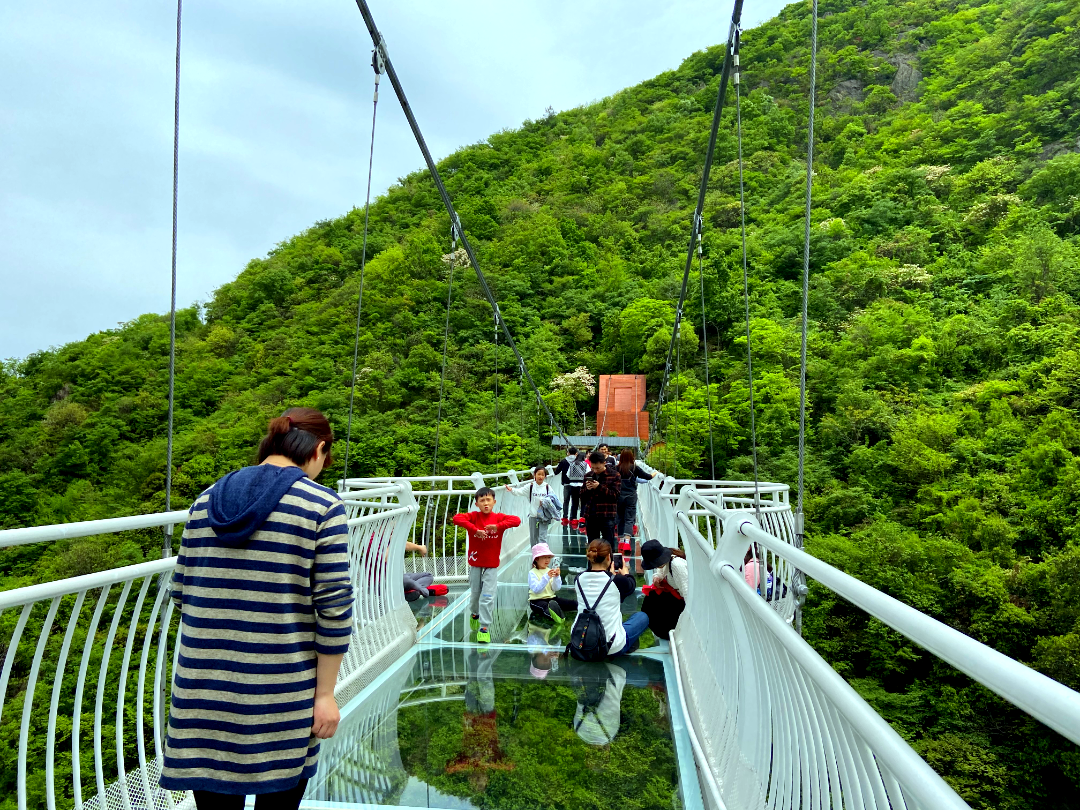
(105, 644)
(88, 528)
(780, 727)
(1048, 701)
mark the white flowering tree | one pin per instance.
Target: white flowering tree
(567, 390)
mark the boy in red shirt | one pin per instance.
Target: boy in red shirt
(485, 529)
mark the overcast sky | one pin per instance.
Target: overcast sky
(275, 112)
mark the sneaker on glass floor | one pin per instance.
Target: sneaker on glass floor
(574, 523)
(565, 521)
(556, 612)
(581, 528)
(474, 622)
(483, 636)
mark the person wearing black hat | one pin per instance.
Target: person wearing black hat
(666, 597)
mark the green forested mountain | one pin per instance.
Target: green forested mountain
(944, 447)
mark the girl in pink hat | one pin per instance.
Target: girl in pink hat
(544, 585)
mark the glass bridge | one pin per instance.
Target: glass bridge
(735, 712)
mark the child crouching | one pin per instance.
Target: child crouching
(544, 584)
(485, 530)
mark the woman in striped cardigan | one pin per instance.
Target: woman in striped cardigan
(262, 583)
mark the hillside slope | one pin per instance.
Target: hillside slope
(945, 363)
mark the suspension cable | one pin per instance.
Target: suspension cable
(380, 44)
(378, 66)
(799, 519)
(704, 330)
(746, 277)
(446, 343)
(497, 443)
(678, 371)
(166, 549)
(695, 228)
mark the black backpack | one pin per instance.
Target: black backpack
(588, 639)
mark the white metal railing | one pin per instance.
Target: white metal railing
(1048, 701)
(87, 528)
(88, 660)
(439, 498)
(775, 725)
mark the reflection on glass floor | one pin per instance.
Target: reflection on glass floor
(463, 727)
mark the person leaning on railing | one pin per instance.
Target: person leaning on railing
(262, 582)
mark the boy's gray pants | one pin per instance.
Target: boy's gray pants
(482, 582)
(538, 530)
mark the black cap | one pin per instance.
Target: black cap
(654, 554)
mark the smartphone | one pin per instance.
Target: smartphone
(554, 563)
(617, 559)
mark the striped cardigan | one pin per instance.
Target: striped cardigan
(254, 616)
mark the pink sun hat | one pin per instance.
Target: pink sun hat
(541, 550)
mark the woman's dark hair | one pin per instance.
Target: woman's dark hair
(599, 552)
(626, 462)
(580, 456)
(296, 435)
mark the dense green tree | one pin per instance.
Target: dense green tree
(944, 393)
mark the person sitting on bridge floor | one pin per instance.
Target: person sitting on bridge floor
(665, 597)
(600, 496)
(544, 585)
(594, 591)
(421, 583)
(543, 505)
(485, 529)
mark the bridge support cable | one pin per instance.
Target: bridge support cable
(445, 345)
(378, 67)
(799, 519)
(705, 343)
(497, 442)
(695, 229)
(166, 548)
(380, 45)
(746, 278)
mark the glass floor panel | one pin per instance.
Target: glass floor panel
(469, 727)
(427, 609)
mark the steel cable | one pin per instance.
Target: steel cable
(445, 345)
(746, 276)
(440, 187)
(497, 442)
(705, 333)
(695, 228)
(376, 63)
(166, 550)
(799, 520)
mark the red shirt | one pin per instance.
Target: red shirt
(484, 551)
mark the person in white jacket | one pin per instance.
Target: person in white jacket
(535, 490)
